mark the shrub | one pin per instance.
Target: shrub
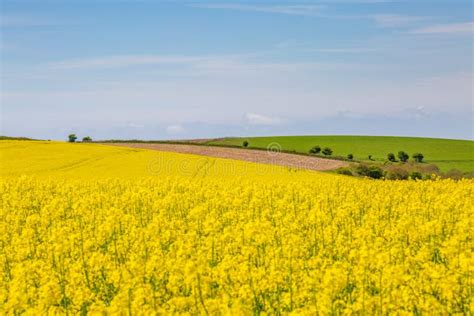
(429, 177)
(245, 143)
(327, 151)
(315, 150)
(344, 171)
(87, 139)
(350, 156)
(403, 156)
(427, 168)
(370, 157)
(375, 172)
(396, 173)
(418, 157)
(391, 157)
(454, 174)
(469, 175)
(72, 138)
(416, 175)
(362, 170)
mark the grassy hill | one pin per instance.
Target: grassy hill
(62, 160)
(15, 138)
(445, 153)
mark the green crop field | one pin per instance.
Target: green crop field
(445, 153)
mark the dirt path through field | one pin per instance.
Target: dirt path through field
(272, 156)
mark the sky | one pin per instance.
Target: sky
(197, 69)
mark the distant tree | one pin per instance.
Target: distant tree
(350, 156)
(315, 150)
(375, 172)
(72, 138)
(245, 143)
(370, 157)
(327, 151)
(344, 171)
(396, 173)
(403, 156)
(87, 139)
(362, 170)
(391, 157)
(418, 157)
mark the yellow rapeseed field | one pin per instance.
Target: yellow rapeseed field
(86, 228)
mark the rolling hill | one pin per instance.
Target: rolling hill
(445, 153)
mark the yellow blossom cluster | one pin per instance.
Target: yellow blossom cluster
(202, 243)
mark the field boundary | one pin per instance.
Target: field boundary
(271, 156)
(206, 143)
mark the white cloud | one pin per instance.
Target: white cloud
(123, 61)
(199, 65)
(175, 129)
(259, 119)
(453, 28)
(308, 9)
(134, 125)
(395, 20)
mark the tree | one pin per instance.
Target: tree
(403, 156)
(375, 172)
(87, 139)
(315, 150)
(245, 143)
(418, 157)
(327, 151)
(416, 175)
(370, 157)
(72, 138)
(391, 157)
(350, 156)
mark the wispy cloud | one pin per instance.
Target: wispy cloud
(453, 28)
(122, 61)
(306, 9)
(317, 10)
(175, 129)
(395, 20)
(259, 119)
(307, 47)
(234, 64)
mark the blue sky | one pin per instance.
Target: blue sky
(194, 69)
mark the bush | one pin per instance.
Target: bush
(370, 157)
(327, 151)
(245, 143)
(427, 168)
(454, 174)
(350, 156)
(418, 157)
(469, 175)
(429, 177)
(344, 171)
(396, 173)
(403, 156)
(72, 138)
(391, 157)
(87, 139)
(362, 170)
(416, 175)
(375, 172)
(315, 150)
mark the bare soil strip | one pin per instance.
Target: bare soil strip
(257, 156)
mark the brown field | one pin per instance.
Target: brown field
(257, 156)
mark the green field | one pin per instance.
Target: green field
(445, 153)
